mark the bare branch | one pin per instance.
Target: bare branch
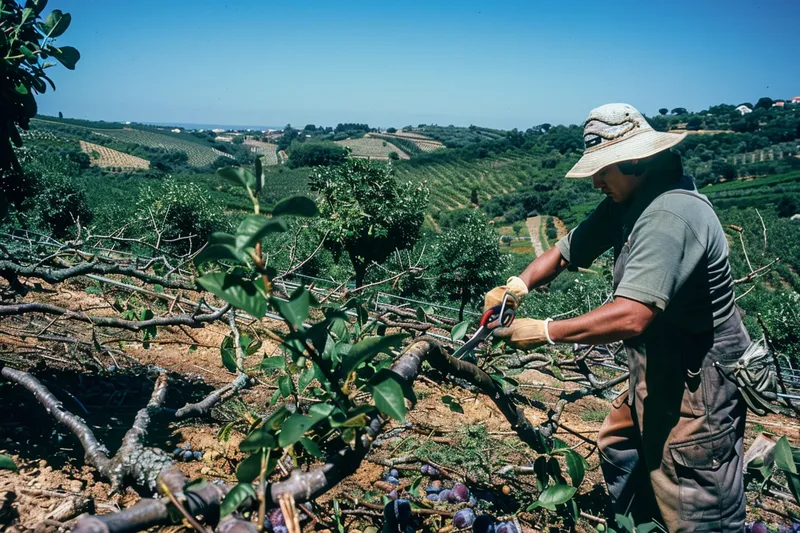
(192, 320)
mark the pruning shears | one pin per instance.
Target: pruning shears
(495, 317)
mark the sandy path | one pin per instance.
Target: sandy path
(533, 224)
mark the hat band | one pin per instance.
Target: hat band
(596, 147)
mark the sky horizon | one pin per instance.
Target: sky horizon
(501, 65)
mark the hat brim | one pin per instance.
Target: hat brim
(645, 144)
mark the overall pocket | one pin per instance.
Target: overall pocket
(709, 475)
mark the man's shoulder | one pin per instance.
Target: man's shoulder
(684, 202)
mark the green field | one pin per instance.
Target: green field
(199, 155)
(451, 181)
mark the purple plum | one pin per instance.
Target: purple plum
(433, 497)
(393, 495)
(461, 492)
(463, 518)
(759, 527)
(444, 495)
(394, 473)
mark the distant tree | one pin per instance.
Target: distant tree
(394, 156)
(473, 196)
(723, 171)
(679, 111)
(289, 136)
(391, 130)
(467, 260)
(764, 102)
(310, 127)
(545, 127)
(788, 206)
(367, 212)
(663, 111)
(695, 123)
(238, 139)
(316, 154)
(517, 227)
(60, 114)
(658, 123)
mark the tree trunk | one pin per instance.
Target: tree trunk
(361, 269)
(465, 294)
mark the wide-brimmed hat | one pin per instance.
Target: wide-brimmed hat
(614, 133)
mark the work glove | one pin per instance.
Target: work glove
(524, 334)
(514, 285)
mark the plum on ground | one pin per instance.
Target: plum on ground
(461, 492)
(484, 524)
(464, 518)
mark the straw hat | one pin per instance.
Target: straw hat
(614, 133)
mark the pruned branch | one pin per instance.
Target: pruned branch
(186, 319)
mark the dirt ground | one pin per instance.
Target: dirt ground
(52, 472)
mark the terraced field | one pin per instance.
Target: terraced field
(371, 148)
(199, 155)
(268, 150)
(451, 183)
(103, 157)
(425, 144)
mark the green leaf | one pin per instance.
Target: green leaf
(224, 434)
(626, 521)
(295, 311)
(7, 463)
(459, 330)
(56, 23)
(260, 438)
(576, 467)
(285, 385)
(388, 395)
(228, 354)
(29, 55)
(783, 456)
(235, 290)
(540, 471)
(453, 404)
(415, 485)
(553, 496)
(297, 425)
(255, 227)
(311, 447)
(235, 497)
(305, 378)
(220, 246)
(66, 55)
(273, 363)
(239, 176)
(37, 5)
(249, 469)
(368, 348)
(299, 206)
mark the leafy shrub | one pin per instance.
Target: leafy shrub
(185, 209)
(59, 203)
(316, 155)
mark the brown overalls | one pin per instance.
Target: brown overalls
(671, 447)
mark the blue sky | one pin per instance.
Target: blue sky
(495, 64)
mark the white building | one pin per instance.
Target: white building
(743, 109)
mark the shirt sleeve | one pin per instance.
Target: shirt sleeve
(663, 253)
(585, 243)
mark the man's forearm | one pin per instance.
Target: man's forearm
(615, 321)
(544, 268)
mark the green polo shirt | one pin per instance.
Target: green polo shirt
(674, 250)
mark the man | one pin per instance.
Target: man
(671, 447)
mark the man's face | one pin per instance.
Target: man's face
(612, 182)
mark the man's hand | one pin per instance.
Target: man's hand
(514, 285)
(524, 334)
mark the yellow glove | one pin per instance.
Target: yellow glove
(525, 333)
(514, 285)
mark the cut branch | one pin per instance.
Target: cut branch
(191, 320)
